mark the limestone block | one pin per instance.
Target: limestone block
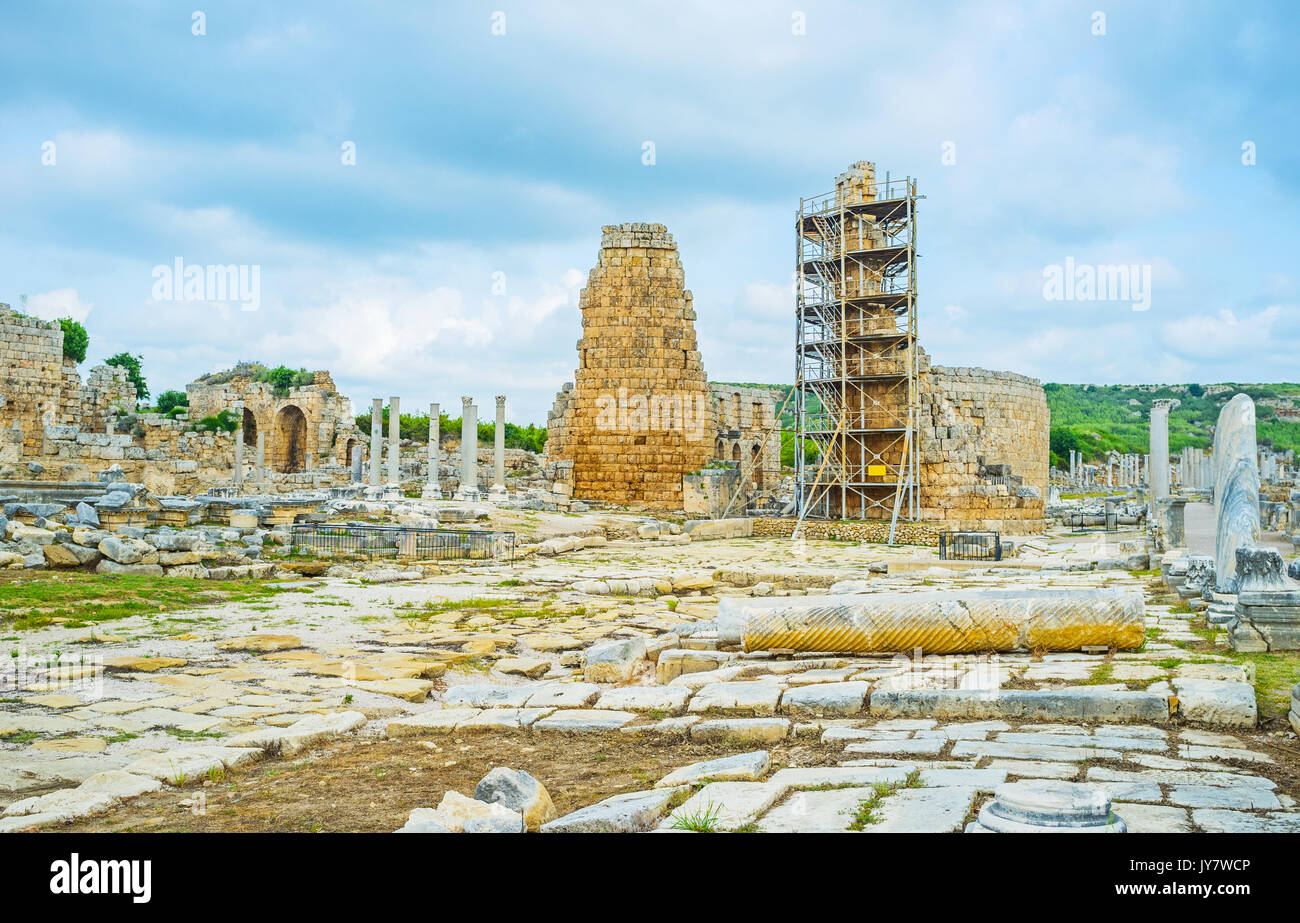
(518, 791)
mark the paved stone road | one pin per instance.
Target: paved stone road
(91, 719)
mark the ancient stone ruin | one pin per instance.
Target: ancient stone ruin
(640, 415)
(301, 427)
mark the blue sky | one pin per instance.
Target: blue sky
(480, 154)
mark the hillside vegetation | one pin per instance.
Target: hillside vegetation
(1097, 419)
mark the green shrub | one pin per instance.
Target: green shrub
(171, 400)
(75, 339)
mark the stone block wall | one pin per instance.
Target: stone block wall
(972, 422)
(640, 415)
(748, 432)
(39, 386)
(31, 374)
(311, 423)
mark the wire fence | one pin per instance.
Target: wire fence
(375, 541)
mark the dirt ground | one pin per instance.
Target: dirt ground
(371, 785)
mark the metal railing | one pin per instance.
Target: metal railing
(970, 546)
(374, 541)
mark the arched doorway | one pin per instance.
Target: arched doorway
(250, 428)
(735, 452)
(756, 468)
(290, 454)
(347, 452)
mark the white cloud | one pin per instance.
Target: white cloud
(62, 302)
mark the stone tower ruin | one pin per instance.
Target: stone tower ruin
(640, 413)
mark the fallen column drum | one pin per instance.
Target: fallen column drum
(955, 622)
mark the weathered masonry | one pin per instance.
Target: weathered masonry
(897, 438)
(303, 427)
(640, 414)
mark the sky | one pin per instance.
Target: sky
(421, 187)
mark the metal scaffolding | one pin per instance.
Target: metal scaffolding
(856, 351)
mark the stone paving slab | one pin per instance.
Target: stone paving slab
(1025, 704)
(1048, 753)
(742, 730)
(1218, 820)
(924, 810)
(931, 747)
(184, 764)
(564, 695)
(583, 721)
(1180, 777)
(815, 812)
(825, 700)
(1106, 742)
(633, 812)
(1189, 752)
(756, 697)
(735, 804)
(486, 695)
(1152, 818)
(1244, 797)
(671, 699)
(502, 719)
(742, 767)
(1035, 769)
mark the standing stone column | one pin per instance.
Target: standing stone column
(239, 445)
(498, 491)
(261, 458)
(1159, 509)
(1073, 470)
(357, 456)
(376, 437)
(432, 489)
(468, 489)
(394, 443)
(1160, 448)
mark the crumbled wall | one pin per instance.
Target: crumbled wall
(39, 386)
(969, 415)
(323, 434)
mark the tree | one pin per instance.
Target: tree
(170, 400)
(75, 339)
(132, 365)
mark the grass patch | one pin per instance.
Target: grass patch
(78, 598)
(866, 814)
(181, 734)
(705, 820)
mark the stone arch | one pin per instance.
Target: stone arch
(249, 425)
(756, 467)
(735, 451)
(289, 454)
(721, 450)
(347, 451)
